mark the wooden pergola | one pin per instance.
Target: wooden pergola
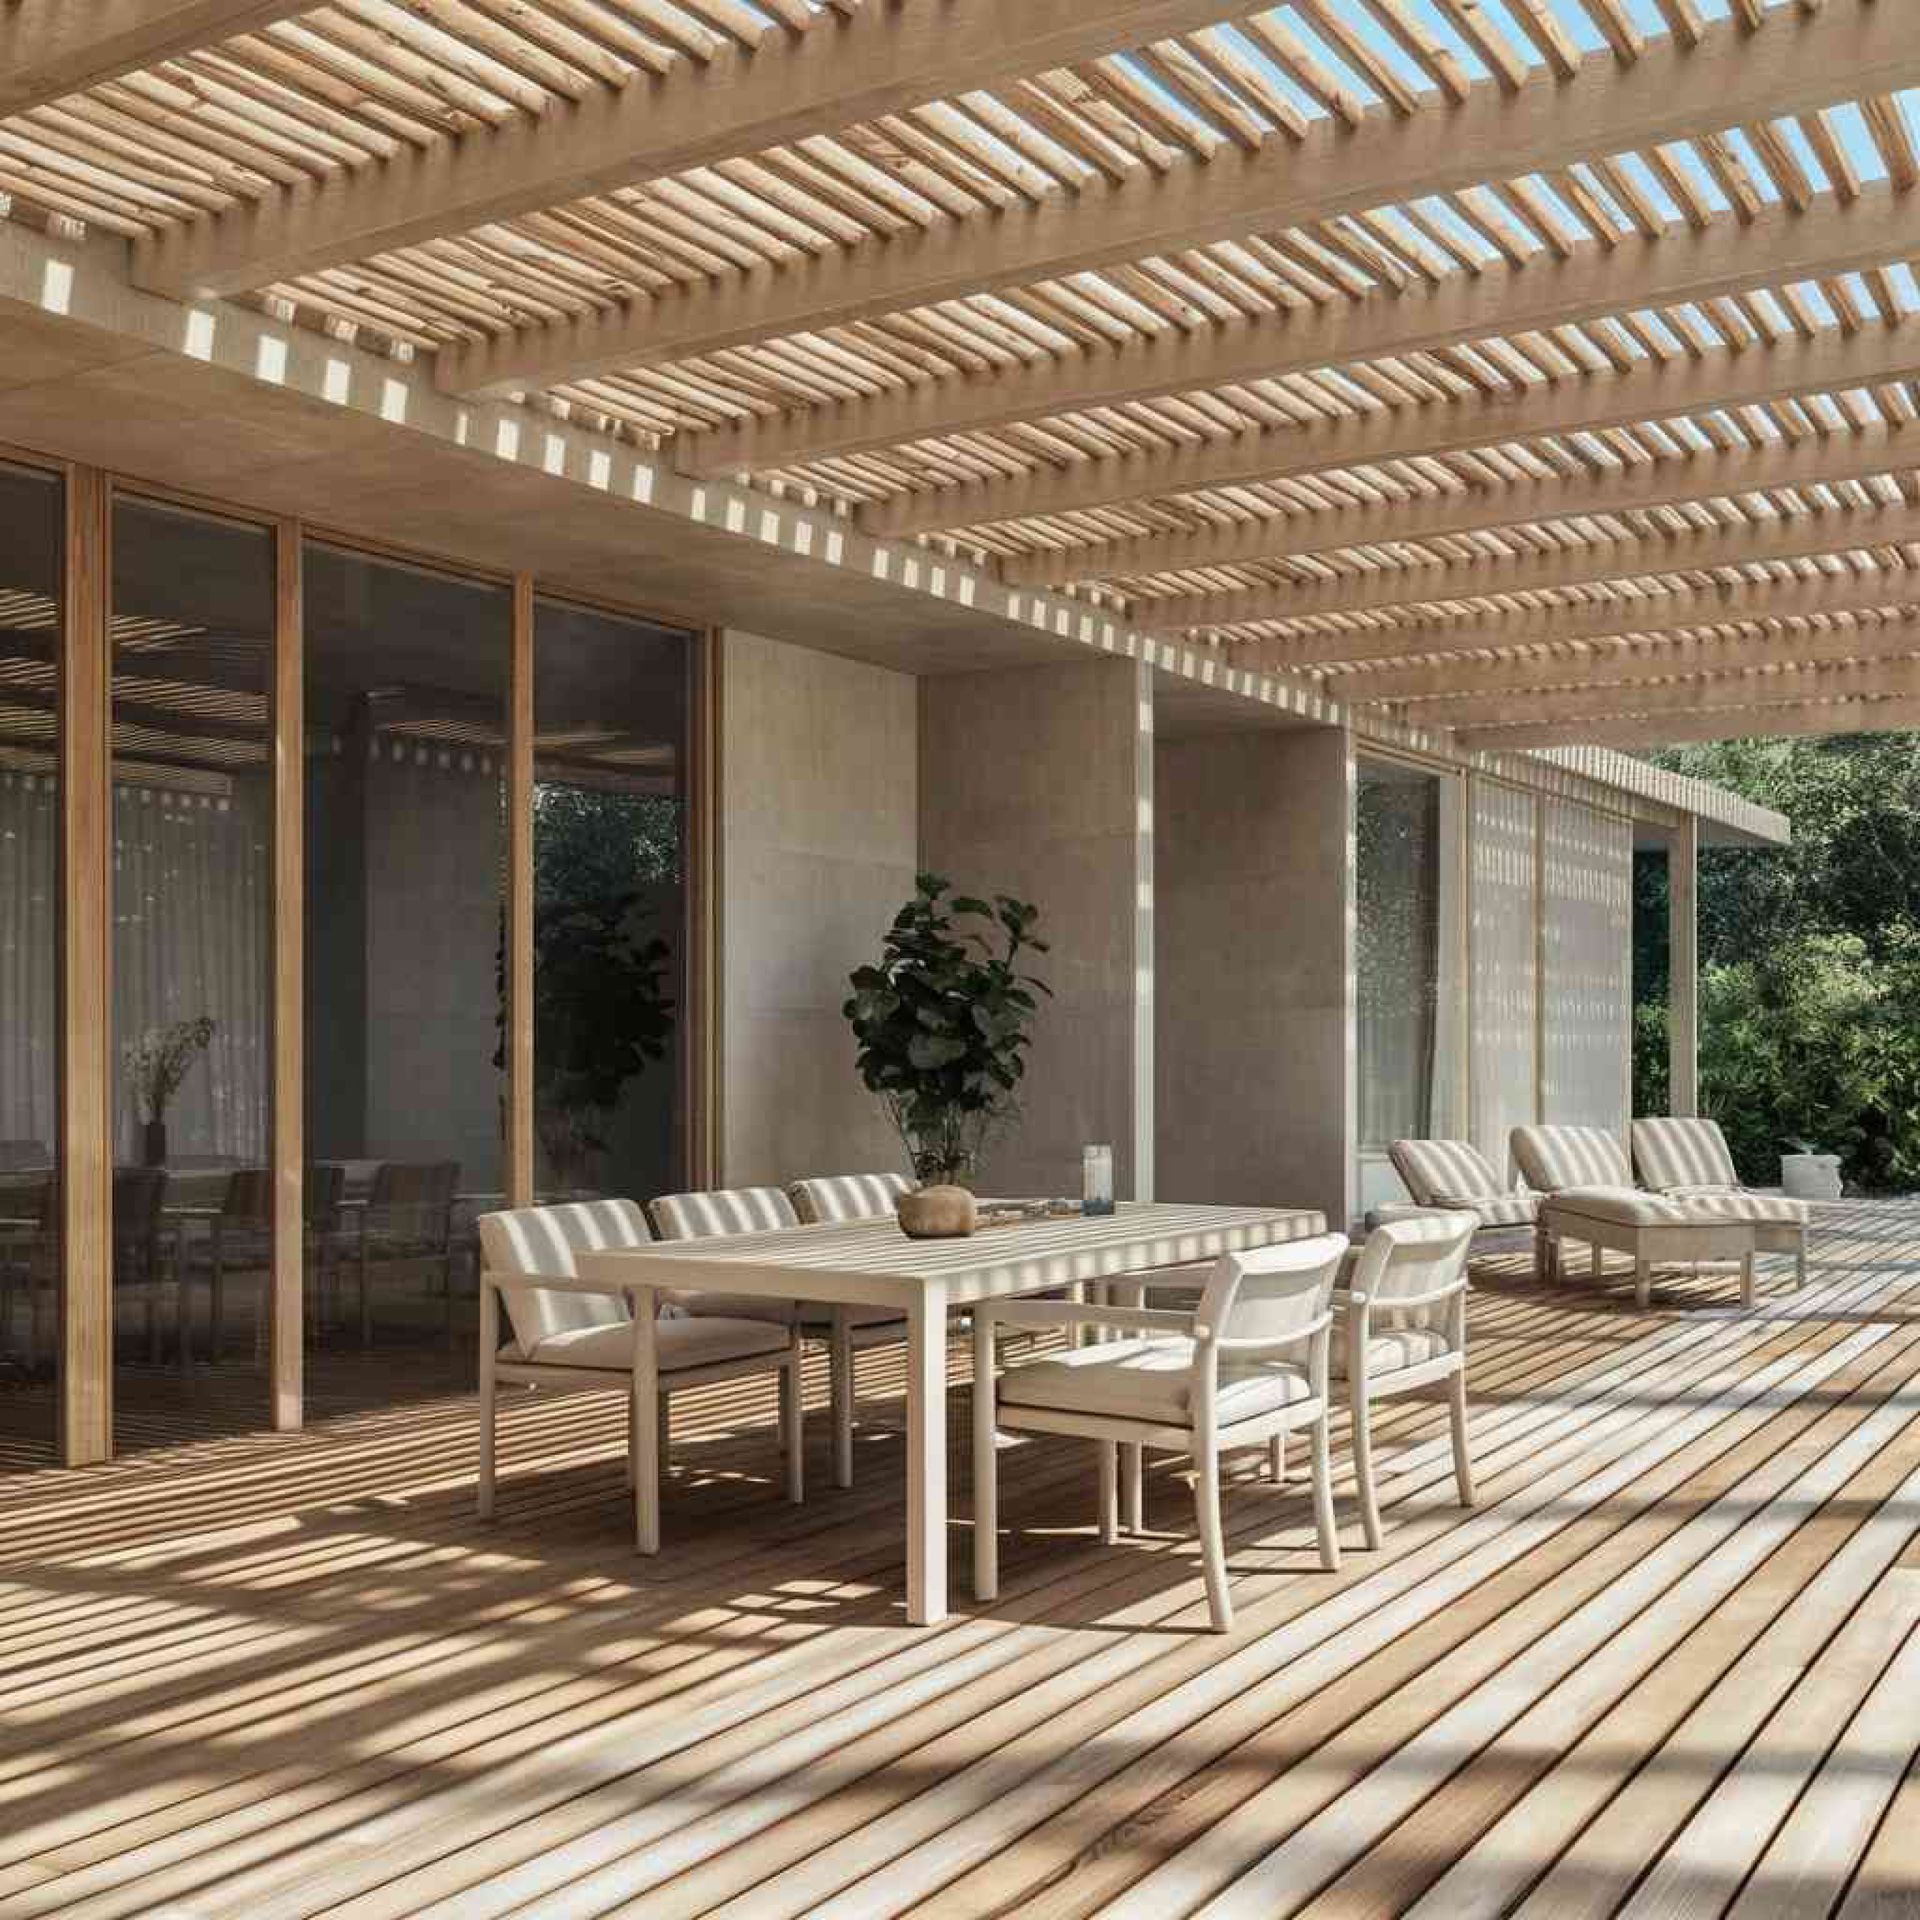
(1543, 372)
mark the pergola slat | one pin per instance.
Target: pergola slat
(845, 67)
(51, 48)
(1661, 483)
(1722, 377)
(1785, 537)
(1801, 61)
(1780, 245)
(1896, 714)
(1606, 620)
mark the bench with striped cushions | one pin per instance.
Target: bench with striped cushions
(702, 1216)
(1455, 1174)
(1684, 1156)
(835, 1198)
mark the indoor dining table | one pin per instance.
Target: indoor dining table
(872, 1263)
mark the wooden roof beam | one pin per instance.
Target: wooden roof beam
(1721, 377)
(1744, 687)
(1790, 537)
(1432, 690)
(846, 66)
(1852, 455)
(1895, 715)
(51, 48)
(1652, 613)
(1778, 246)
(1799, 61)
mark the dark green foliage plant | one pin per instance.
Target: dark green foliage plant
(943, 1023)
(1809, 960)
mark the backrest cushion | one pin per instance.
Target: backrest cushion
(1439, 1173)
(544, 1240)
(1406, 1258)
(702, 1216)
(1673, 1154)
(1273, 1292)
(1552, 1159)
(847, 1196)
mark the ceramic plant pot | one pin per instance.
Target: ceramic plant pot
(937, 1213)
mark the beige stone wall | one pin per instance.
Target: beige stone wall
(1254, 990)
(818, 807)
(1035, 781)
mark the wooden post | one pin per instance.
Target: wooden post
(701, 1083)
(85, 987)
(1683, 966)
(519, 1182)
(287, 1307)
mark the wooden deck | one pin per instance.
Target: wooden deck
(1668, 1667)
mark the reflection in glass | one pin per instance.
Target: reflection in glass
(192, 627)
(609, 853)
(30, 547)
(1397, 950)
(406, 698)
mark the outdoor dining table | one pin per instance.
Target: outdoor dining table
(872, 1263)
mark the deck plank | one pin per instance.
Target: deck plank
(1665, 1667)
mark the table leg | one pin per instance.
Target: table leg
(645, 1436)
(927, 1455)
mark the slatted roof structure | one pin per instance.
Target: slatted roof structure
(1544, 371)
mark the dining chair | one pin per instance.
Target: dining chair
(1401, 1322)
(842, 1329)
(1249, 1362)
(139, 1195)
(405, 1228)
(571, 1335)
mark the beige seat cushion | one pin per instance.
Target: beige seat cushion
(1391, 1348)
(815, 1315)
(679, 1343)
(1628, 1207)
(1148, 1380)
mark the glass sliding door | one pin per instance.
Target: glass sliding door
(1402, 1024)
(31, 543)
(611, 703)
(406, 703)
(192, 615)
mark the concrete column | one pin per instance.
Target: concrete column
(1683, 962)
(1037, 781)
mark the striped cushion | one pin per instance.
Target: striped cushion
(701, 1216)
(1550, 1158)
(1431, 1168)
(835, 1197)
(1628, 1206)
(1673, 1155)
(544, 1240)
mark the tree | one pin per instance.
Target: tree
(1809, 958)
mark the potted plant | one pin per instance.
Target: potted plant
(157, 1063)
(942, 1024)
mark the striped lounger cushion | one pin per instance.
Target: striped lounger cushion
(1456, 1174)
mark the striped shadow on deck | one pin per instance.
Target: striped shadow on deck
(1666, 1666)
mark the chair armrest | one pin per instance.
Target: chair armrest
(1072, 1313)
(1346, 1297)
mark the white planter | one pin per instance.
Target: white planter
(1810, 1176)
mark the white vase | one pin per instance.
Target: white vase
(1810, 1176)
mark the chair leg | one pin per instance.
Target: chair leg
(1213, 1545)
(1800, 1264)
(1323, 1496)
(1363, 1467)
(1746, 1278)
(1462, 1457)
(840, 1393)
(1277, 1458)
(1109, 1491)
(366, 1307)
(795, 1403)
(986, 1469)
(489, 1436)
(1597, 1262)
(1642, 1282)
(1133, 1460)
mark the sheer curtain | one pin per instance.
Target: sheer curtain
(29, 830)
(192, 936)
